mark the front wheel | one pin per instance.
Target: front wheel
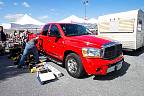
(73, 65)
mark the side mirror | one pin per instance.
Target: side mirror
(54, 35)
(58, 36)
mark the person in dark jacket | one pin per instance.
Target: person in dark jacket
(29, 48)
(2, 34)
(2, 40)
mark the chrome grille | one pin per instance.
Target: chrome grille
(112, 50)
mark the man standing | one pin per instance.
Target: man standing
(2, 34)
(29, 48)
(2, 40)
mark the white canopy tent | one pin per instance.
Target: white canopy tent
(26, 19)
(72, 19)
(26, 22)
(75, 19)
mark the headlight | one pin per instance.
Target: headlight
(91, 52)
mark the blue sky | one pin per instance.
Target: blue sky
(55, 10)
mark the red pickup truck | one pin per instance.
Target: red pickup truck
(80, 51)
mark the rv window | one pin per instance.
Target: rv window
(139, 25)
(140, 21)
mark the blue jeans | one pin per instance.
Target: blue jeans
(29, 49)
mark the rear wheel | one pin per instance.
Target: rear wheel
(73, 65)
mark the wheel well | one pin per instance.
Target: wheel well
(66, 53)
(81, 69)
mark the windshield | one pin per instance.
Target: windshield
(74, 30)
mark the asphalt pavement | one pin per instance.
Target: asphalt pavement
(129, 81)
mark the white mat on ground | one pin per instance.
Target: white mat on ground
(48, 73)
(55, 71)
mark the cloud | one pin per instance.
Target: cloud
(13, 17)
(47, 18)
(43, 17)
(25, 4)
(30, 14)
(52, 10)
(15, 3)
(1, 4)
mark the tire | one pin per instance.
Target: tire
(73, 65)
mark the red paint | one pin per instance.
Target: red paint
(56, 47)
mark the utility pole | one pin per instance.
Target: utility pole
(85, 3)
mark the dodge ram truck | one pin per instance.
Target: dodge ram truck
(80, 51)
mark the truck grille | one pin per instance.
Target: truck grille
(112, 51)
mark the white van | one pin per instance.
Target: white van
(125, 27)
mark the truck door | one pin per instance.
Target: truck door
(44, 39)
(57, 45)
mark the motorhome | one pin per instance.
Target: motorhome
(125, 27)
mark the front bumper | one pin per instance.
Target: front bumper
(97, 66)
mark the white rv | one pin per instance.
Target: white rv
(125, 27)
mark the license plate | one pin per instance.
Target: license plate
(115, 67)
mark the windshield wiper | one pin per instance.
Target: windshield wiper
(78, 34)
(85, 33)
(72, 35)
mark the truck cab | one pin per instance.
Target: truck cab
(80, 51)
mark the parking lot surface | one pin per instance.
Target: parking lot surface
(129, 81)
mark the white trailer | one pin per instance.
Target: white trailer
(125, 27)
